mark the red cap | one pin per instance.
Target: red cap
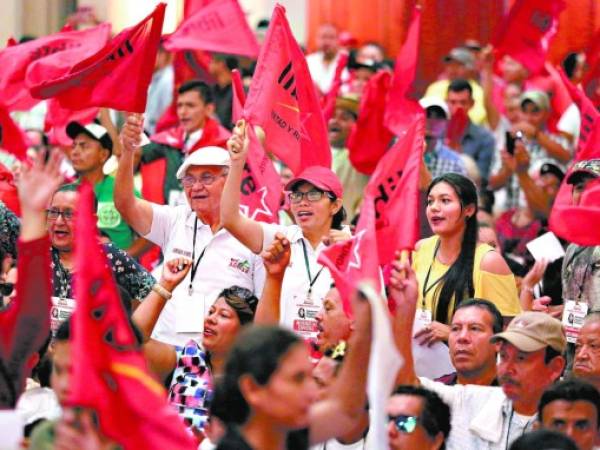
(321, 178)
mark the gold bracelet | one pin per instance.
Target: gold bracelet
(160, 290)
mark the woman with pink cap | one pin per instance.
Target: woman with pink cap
(316, 204)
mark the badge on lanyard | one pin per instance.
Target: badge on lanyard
(574, 313)
(423, 318)
(189, 314)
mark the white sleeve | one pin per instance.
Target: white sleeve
(163, 219)
(451, 395)
(269, 231)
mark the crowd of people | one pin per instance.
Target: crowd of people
(243, 325)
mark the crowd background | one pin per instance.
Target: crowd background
(215, 209)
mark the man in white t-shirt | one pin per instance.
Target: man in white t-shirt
(322, 63)
(192, 231)
(529, 360)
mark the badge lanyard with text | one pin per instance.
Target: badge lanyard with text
(426, 316)
(311, 280)
(195, 264)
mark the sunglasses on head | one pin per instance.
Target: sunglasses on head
(6, 289)
(404, 424)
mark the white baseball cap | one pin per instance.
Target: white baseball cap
(93, 130)
(428, 102)
(205, 156)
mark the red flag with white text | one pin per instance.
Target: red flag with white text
(115, 77)
(525, 32)
(111, 375)
(402, 109)
(17, 59)
(283, 101)
(220, 26)
(12, 138)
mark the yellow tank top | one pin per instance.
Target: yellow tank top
(499, 289)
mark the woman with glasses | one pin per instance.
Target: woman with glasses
(316, 204)
(60, 216)
(193, 367)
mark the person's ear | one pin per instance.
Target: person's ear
(556, 366)
(250, 390)
(469, 211)
(438, 442)
(336, 206)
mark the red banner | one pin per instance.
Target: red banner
(12, 138)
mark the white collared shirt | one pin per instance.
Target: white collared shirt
(298, 311)
(226, 262)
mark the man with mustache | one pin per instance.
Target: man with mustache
(529, 360)
(587, 351)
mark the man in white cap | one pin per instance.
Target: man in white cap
(192, 231)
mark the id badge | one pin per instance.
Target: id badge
(189, 314)
(422, 318)
(572, 319)
(304, 314)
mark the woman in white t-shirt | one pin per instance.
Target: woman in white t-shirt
(316, 204)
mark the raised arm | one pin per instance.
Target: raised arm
(245, 230)
(135, 211)
(404, 294)
(339, 412)
(276, 258)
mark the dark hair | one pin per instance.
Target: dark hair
(569, 64)
(256, 352)
(544, 440)
(230, 61)
(459, 85)
(497, 321)
(458, 280)
(571, 390)
(203, 89)
(435, 415)
(550, 354)
(242, 301)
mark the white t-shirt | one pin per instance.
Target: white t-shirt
(298, 309)
(321, 73)
(225, 263)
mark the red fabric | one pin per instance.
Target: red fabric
(11, 41)
(115, 77)
(25, 324)
(526, 31)
(592, 59)
(57, 119)
(283, 100)
(261, 184)
(590, 120)
(331, 96)
(111, 375)
(401, 110)
(8, 190)
(560, 99)
(220, 26)
(457, 125)
(357, 259)
(13, 138)
(369, 138)
(213, 134)
(394, 185)
(153, 180)
(17, 60)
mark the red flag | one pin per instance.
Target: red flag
(57, 119)
(11, 42)
(283, 101)
(355, 260)
(592, 59)
(395, 188)
(111, 375)
(261, 184)
(401, 109)
(457, 125)
(16, 60)
(331, 97)
(526, 30)
(12, 138)
(369, 138)
(115, 77)
(220, 26)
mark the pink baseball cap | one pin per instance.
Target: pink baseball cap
(320, 177)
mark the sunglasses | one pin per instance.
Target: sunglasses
(404, 424)
(6, 289)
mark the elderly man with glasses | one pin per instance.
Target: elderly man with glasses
(191, 231)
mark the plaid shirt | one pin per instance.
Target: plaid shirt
(442, 160)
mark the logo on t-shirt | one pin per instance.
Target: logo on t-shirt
(108, 216)
(241, 265)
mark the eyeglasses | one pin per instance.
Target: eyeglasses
(206, 179)
(6, 289)
(53, 214)
(311, 196)
(404, 424)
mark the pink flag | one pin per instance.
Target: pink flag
(12, 138)
(16, 60)
(331, 96)
(283, 101)
(220, 26)
(526, 31)
(57, 119)
(116, 77)
(401, 108)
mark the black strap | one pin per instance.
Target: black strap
(426, 288)
(311, 280)
(195, 264)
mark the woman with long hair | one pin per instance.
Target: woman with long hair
(316, 204)
(193, 366)
(451, 266)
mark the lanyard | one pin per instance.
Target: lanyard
(426, 288)
(580, 283)
(311, 280)
(194, 267)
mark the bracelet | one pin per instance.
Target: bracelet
(161, 291)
